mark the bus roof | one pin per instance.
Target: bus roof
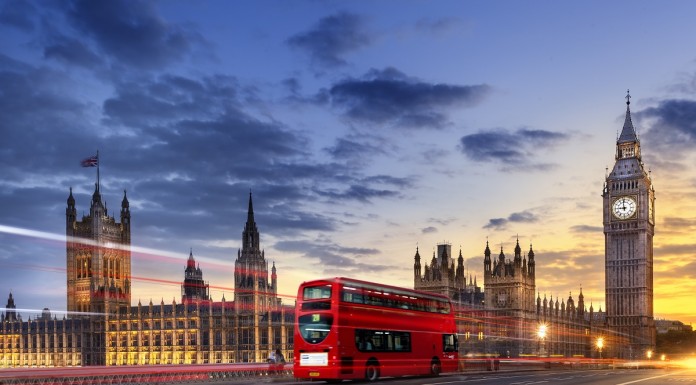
(378, 286)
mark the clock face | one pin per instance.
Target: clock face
(624, 207)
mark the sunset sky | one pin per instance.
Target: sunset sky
(364, 129)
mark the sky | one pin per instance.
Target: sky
(363, 129)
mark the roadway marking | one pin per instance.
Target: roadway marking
(650, 378)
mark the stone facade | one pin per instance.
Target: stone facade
(629, 227)
(98, 257)
(102, 328)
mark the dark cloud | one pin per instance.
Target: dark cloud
(72, 51)
(390, 97)
(516, 148)
(331, 38)
(333, 257)
(429, 230)
(18, 14)
(586, 229)
(673, 126)
(359, 193)
(520, 217)
(354, 149)
(132, 32)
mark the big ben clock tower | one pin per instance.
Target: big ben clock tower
(629, 226)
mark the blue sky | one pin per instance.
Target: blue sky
(364, 129)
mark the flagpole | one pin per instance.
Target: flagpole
(98, 183)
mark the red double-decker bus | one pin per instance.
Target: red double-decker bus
(351, 329)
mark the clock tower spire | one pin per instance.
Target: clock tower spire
(629, 227)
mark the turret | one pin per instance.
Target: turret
(581, 304)
(459, 277)
(518, 254)
(417, 265)
(70, 211)
(125, 217)
(531, 264)
(274, 279)
(487, 260)
(10, 312)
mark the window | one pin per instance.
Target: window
(449, 343)
(315, 327)
(382, 340)
(317, 292)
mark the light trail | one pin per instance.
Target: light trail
(138, 251)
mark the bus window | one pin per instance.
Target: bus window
(449, 343)
(317, 292)
(382, 340)
(315, 327)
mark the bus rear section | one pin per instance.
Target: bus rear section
(350, 329)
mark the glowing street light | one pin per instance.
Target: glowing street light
(649, 354)
(600, 345)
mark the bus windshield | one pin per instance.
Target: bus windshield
(316, 292)
(314, 327)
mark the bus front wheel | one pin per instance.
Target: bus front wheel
(435, 367)
(372, 371)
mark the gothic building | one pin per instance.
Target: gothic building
(104, 329)
(194, 288)
(518, 325)
(256, 299)
(629, 227)
(98, 257)
(442, 277)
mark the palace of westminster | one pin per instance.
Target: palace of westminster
(508, 317)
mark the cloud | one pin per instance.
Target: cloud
(520, 217)
(516, 148)
(357, 192)
(334, 258)
(673, 126)
(390, 97)
(132, 32)
(18, 14)
(586, 229)
(331, 38)
(355, 149)
(72, 51)
(429, 230)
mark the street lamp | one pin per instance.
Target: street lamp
(600, 345)
(649, 354)
(541, 333)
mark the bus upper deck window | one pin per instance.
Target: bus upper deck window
(317, 292)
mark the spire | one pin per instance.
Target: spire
(250, 235)
(518, 249)
(190, 263)
(628, 133)
(124, 202)
(250, 213)
(71, 199)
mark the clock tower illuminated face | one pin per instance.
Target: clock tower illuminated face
(629, 226)
(624, 207)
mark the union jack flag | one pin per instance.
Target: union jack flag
(92, 161)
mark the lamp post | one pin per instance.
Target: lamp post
(600, 345)
(541, 333)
